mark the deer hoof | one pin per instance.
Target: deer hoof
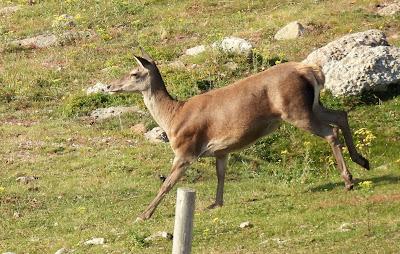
(139, 220)
(349, 187)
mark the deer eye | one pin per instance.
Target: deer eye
(134, 74)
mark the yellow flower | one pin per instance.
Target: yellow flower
(2, 189)
(82, 209)
(366, 185)
(284, 152)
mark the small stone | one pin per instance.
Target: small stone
(95, 241)
(345, 227)
(61, 251)
(246, 224)
(159, 235)
(292, 30)
(9, 252)
(9, 10)
(17, 215)
(139, 128)
(97, 88)
(279, 241)
(389, 9)
(156, 135)
(26, 179)
(195, 50)
(105, 113)
(233, 45)
(40, 41)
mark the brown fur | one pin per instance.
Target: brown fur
(230, 118)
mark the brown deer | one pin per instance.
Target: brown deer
(228, 119)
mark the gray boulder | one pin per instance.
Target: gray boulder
(338, 49)
(358, 62)
(292, 30)
(363, 69)
(233, 45)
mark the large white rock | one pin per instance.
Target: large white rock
(233, 45)
(338, 49)
(364, 68)
(292, 30)
(358, 62)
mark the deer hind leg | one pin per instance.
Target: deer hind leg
(178, 168)
(339, 118)
(220, 163)
(329, 133)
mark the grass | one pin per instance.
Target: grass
(94, 178)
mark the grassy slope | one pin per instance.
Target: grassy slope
(94, 179)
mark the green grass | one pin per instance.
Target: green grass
(95, 178)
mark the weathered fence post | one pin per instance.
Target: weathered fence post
(185, 199)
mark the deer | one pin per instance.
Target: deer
(228, 119)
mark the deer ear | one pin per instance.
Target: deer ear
(142, 62)
(146, 56)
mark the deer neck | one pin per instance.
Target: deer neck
(161, 105)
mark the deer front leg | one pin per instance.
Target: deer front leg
(220, 163)
(178, 168)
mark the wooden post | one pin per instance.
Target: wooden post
(182, 242)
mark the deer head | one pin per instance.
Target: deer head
(139, 79)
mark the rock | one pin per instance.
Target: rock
(178, 64)
(358, 62)
(26, 179)
(195, 50)
(279, 241)
(233, 45)
(389, 9)
(9, 10)
(64, 20)
(345, 227)
(338, 49)
(61, 251)
(9, 252)
(97, 88)
(363, 69)
(292, 30)
(139, 128)
(245, 224)
(156, 135)
(95, 241)
(159, 235)
(40, 41)
(105, 113)
(50, 40)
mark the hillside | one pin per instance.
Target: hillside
(87, 178)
